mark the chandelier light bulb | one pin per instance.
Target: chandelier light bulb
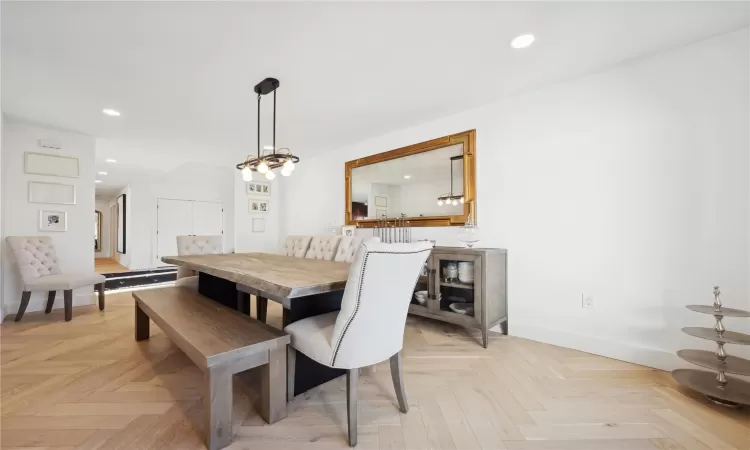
(289, 165)
(462, 200)
(440, 203)
(247, 174)
(262, 167)
(270, 175)
(455, 202)
(285, 172)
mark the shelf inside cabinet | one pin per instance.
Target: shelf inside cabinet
(457, 284)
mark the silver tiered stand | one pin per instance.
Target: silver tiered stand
(719, 388)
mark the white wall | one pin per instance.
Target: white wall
(245, 239)
(188, 182)
(21, 218)
(102, 205)
(628, 185)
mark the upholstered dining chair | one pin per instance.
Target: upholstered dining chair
(296, 246)
(196, 245)
(37, 261)
(349, 245)
(369, 328)
(323, 247)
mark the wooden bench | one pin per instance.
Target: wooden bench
(222, 342)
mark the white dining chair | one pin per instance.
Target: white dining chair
(369, 328)
(196, 245)
(323, 247)
(37, 261)
(296, 246)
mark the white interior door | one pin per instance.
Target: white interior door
(208, 218)
(174, 218)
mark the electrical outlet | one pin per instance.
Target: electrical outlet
(587, 301)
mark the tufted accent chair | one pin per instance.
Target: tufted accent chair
(38, 265)
(349, 245)
(323, 247)
(296, 246)
(196, 245)
(374, 304)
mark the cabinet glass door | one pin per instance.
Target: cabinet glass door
(454, 279)
(422, 297)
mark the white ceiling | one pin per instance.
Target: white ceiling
(181, 73)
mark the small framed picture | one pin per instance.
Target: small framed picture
(381, 201)
(259, 225)
(348, 230)
(258, 205)
(381, 213)
(258, 188)
(53, 221)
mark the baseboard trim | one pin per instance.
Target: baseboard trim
(38, 302)
(644, 356)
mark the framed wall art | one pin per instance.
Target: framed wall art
(53, 193)
(258, 188)
(259, 225)
(258, 205)
(53, 221)
(54, 165)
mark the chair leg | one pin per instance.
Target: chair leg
(351, 404)
(25, 297)
(100, 288)
(261, 307)
(398, 382)
(68, 298)
(291, 362)
(50, 301)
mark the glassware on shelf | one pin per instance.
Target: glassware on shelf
(450, 271)
(469, 234)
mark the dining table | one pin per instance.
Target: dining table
(304, 288)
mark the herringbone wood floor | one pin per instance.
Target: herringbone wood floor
(86, 384)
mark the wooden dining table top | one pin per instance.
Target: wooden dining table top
(282, 276)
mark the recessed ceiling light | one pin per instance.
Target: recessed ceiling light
(407, 176)
(102, 173)
(522, 41)
(97, 181)
(111, 112)
(110, 160)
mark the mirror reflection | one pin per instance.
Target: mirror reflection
(425, 184)
(97, 231)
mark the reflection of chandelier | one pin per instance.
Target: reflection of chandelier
(266, 162)
(450, 198)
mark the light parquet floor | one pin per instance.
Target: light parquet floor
(86, 384)
(108, 265)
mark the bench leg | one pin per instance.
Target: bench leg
(273, 386)
(217, 404)
(142, 324)
(261, 308)
(291, 362)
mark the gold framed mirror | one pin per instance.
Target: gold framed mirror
(97, 231)
(429, 184)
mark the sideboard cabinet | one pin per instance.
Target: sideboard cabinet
(473, 280)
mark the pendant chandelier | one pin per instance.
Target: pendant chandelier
(450, 198)
(271, 158)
